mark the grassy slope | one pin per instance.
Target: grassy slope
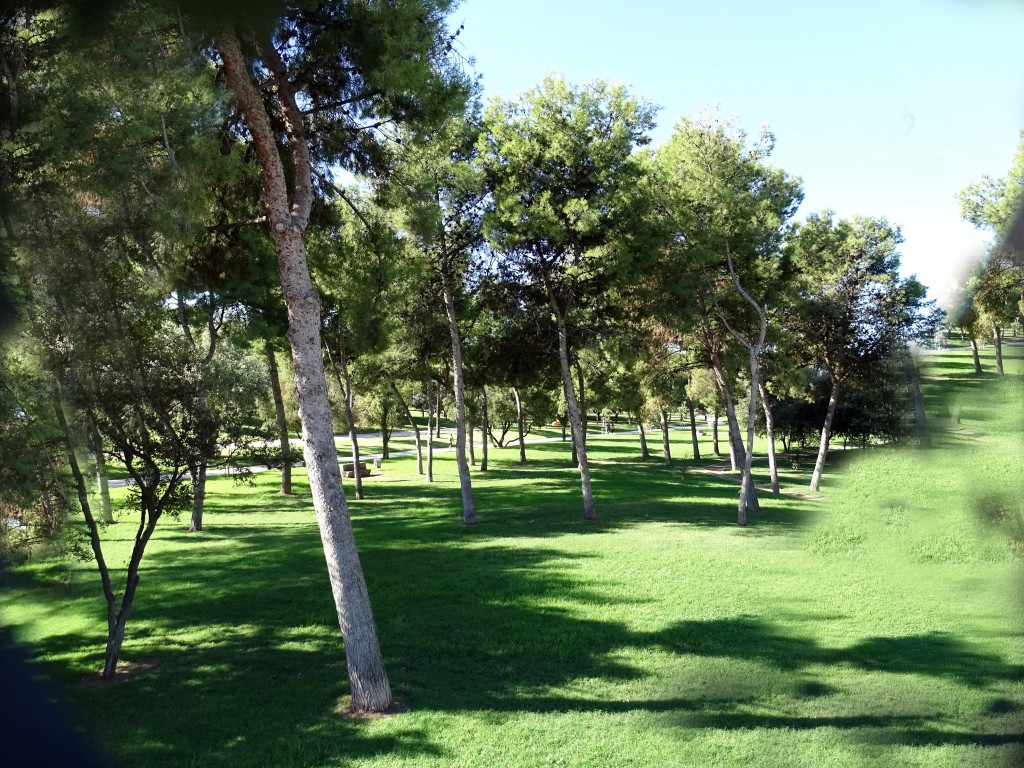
(879, 626)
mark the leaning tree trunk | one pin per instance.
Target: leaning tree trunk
(920, 417)
(644, 452)
(582, 402)
(769, 427)
(430, 435)
(106, 510)
(693, 430)
(977, 357)
(288, 218)
(589, 510)
(197, 473)
(484, 429)
(415, 427)
(521, 425)
(465, 482)
(997, 339)
(282, 419)
(666, 448)
(826, 435)
(353, 438)
(737, 455)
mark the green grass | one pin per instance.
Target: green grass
(879, 625)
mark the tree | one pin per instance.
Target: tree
(442, 193)
(318, 76)
(852, 309)
(560, 169)
(727, 211)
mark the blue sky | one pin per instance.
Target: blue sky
(882, 108)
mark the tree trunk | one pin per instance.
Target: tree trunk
(997, 338)
(106, 510)
(440, 403)
(371, 691)
(644, 452)
(920, 417)
(484, 429)
(826, 435)
(582, 403)
(113, 649)
(666, 449)
(769, 426)
(430, 435)
(470, 441)
(693, 430)
(347, 396)
(565, 420)
(465, 482)
(521, 424)
(977, 357)
(589, 510)
(715, 447)
(415, 427)
(282, 419)
(197, 472)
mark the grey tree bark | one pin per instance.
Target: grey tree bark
(282, 419)
(347, 395)
(997, 340)
(371, 690)
(106, 510)
(826, 435)
(465, 481)
(666, 448)
(693, 430)
(589, 510)
(415, 427)
(644, 452)
(521, 424)
(769, 422)
(920, 417)
(430, 434)
(484, 429)
(715, 447)
(975, 355)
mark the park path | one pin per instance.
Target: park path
(227, 471)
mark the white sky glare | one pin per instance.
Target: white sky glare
(883, 108)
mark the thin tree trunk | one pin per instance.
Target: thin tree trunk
(589, 510)
(693, 431)
(371, 691)
(826, 435)
(282, 419)
(769, 426)
(920, 417)
(715, 447)
(582, 401)
(484, 429)
(977, 357)
(113, 648)
(415, 427)
(430, 435)
(106, 510)
(997, 338)
(644, 452)
(197, 473)
(565, 419)
(666, 449)
(465, 482)
(350, 417)
(521, 424)
(440, 402)
(470, 441)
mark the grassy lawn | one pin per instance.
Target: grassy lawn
(877, 625)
